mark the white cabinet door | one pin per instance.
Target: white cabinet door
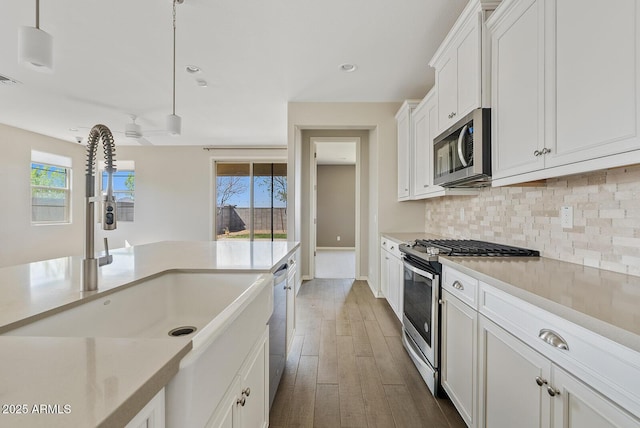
(291, 301)
(596, 78)
(384, 273)
(459, 356)
(404, 134)
(468, 68)
(508, 373)
(458, 70)
(151, 415)
(226, 415)
(578, 406)
(447, 84)
(397, 275)
(404, 121)
(254, 384)
(518, 110)
(394, 286)
(423, 146)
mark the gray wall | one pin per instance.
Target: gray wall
(336, 206)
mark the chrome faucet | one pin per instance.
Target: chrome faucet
(90, 263)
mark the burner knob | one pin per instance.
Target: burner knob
(433, 251)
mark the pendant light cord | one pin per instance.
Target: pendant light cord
(38, 14)
(174, 56)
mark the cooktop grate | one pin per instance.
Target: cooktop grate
(467, 247)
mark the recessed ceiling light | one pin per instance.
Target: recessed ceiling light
(201, 82)
(73, 129)
(193, 69)
(348, 68)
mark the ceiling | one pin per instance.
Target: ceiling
(114, 58)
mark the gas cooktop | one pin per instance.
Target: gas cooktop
(430, 249)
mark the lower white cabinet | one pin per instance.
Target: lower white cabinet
(509, 369)
(151, 415)
(392, 275)
(507, 363)
(459, 355)
(246, 402)
(523, 388)
(292, 274)
(578, 406)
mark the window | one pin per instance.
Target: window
(251, 201)
(124, 184)
(50, 188)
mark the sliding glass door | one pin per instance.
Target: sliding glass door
(251, 201)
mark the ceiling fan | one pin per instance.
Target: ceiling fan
(134, 130)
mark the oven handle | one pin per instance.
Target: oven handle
(420, 272)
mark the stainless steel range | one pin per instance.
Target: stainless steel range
(421, 317)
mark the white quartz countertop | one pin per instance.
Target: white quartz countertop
(34, 290)
(602, 301)
(104, 381)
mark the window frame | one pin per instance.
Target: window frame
(59, 162)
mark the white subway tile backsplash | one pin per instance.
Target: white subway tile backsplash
(606, 210)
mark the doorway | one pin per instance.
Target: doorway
(335, 207)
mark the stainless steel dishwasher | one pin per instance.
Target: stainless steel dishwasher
(278, 331)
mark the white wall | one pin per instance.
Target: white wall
(172, 201)
(385, 213)
(20, 241)
(174, 192)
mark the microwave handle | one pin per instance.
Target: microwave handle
(460, 154)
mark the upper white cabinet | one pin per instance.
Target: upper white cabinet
(565, 87)
(415, 151)
(404, 120)
(461, 65)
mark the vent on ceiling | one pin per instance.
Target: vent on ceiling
(7, 80)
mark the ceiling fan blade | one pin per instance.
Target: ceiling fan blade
(144, 142)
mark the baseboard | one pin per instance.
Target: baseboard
(375, 292)
(337, 248)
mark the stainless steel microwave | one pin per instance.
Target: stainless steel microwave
(462, 153)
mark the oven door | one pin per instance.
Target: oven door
(420, 320)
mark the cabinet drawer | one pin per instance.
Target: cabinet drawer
(460, 285)
(606, 366)
(391, 246)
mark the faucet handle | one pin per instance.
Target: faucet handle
(107, 258)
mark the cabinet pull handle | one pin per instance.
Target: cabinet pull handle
(552, 391)
(287, 287)
(537, 153)
(553, 339)
(545, 151)
(457, 285)
(392, 247)
(425, 185)
(540, 381)
(246, 391)
(241, 401)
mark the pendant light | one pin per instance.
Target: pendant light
(35, 47)
(174, 122)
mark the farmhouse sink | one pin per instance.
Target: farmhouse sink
(184, 303)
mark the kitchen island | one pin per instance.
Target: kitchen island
(101, 381)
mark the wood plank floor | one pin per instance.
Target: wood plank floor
(348, 368)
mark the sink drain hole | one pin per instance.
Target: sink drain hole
(182, 331)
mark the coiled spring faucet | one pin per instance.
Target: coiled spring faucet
(90, 263)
